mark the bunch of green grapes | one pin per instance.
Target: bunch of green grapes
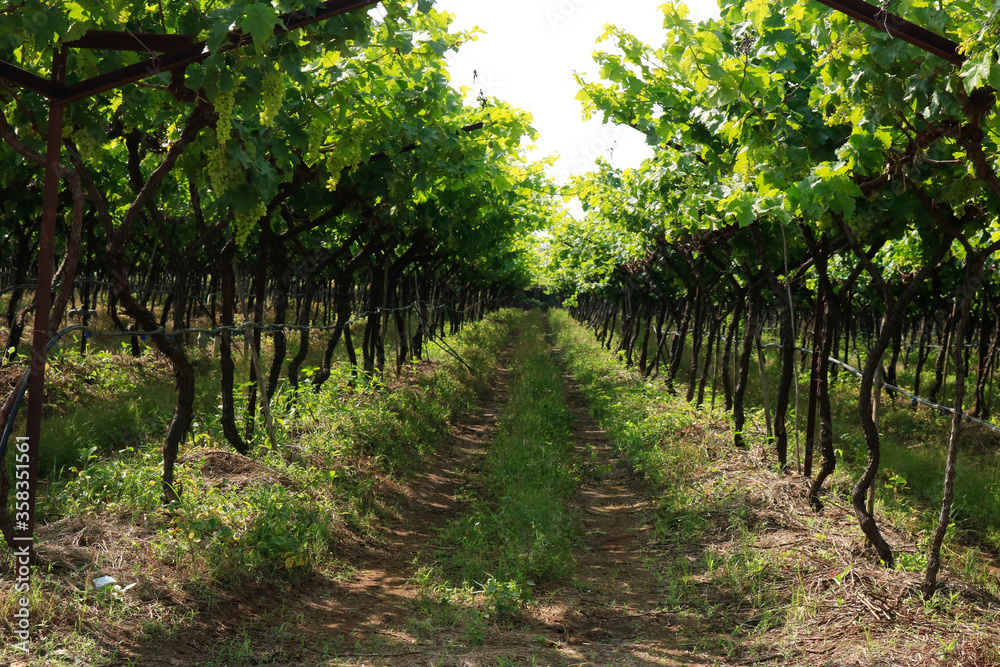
(223, 173)
(274, 96)
(317, 133)
(225, 105)
(27, 49)
(218, 171)
(245, 221)
(84, 141)
(346, 155)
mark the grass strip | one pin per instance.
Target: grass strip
(520, 530)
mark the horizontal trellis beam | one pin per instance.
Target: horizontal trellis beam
(177, 51)
(110, 40)
(22, 78)
(899, 27)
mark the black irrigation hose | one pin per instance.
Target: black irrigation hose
(23, 389)
(9, 426)
(17, 287)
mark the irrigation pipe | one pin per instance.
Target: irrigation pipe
(23, 389)
(9, 426)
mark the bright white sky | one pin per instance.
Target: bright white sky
(529, 54)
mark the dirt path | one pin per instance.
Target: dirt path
(369, 616)
(607, 614)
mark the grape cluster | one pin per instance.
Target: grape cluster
(85, 143)
(27, 48)
(317, 133)
(222, 172)
(225, 105)
(247, 220)
(274, 96)
(346, 155)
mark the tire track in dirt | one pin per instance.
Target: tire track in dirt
(610, 613)
(368, 614)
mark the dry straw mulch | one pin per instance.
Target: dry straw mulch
(843, 606)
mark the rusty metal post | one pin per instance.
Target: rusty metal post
(43, 299)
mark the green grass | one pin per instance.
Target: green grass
(520, 530)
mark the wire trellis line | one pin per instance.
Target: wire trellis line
(892, 387)
(248, 326)
(245, 328)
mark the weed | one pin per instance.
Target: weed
(944, 602)
(155, 630)
(503, 598)
(911, 562)
(264, 532)
(443, 606)
(236, 651)
(947, 648)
